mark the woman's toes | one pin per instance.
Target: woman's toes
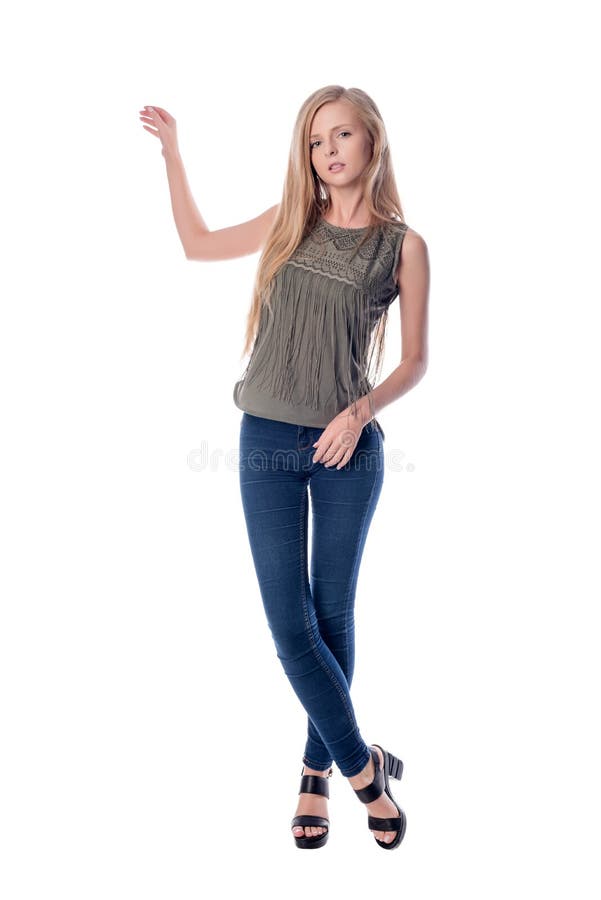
(307, 831)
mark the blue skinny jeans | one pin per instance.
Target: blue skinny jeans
(311, 617)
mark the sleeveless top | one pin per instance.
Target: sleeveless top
(311, 355)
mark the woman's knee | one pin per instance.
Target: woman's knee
(295, 643)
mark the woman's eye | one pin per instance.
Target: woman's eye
(315, 143)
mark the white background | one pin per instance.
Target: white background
(151, 744)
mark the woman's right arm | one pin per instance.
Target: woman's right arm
(198, 241)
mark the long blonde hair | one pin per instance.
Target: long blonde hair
(305, 197)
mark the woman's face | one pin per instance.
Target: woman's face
(337, 136)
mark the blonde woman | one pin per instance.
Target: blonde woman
(335, 253)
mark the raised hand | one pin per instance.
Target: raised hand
(162, 125)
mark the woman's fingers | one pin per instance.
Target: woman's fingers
(163, 112)
(344, 460)
(333, 460)
(147, 117)
(331, 457)
(157, 126)
(164, 124)
(162, 115)
(151, 114)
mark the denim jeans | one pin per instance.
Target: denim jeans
(311, 615)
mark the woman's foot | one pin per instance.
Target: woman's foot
(383, 807)
(311, 805)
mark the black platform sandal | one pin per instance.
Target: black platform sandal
(313, 784)
(393, 768)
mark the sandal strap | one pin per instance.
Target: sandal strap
(376, 788)
(376, 824)
(317, 821)
(315, 784)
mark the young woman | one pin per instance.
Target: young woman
(336, 251)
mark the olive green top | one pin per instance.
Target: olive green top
(312, 352)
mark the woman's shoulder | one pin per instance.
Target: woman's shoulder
(414, 241)
(411, 237)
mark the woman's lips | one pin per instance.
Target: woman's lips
(337, 167)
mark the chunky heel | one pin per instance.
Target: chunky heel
(392, 768)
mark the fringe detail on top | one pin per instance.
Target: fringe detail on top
(314, 315)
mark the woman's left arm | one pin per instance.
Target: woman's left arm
(337, 443)
(413, 279)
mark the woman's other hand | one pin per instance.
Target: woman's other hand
(338, 441)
